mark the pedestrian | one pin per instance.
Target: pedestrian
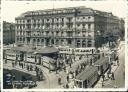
(70, 65)
(12, 64)
(28, 67)
(73, 74)
(19, 63)
(59, 81)
(108, 75)
(64, 67)
(76, 72)
(23, 64)
(113, 77)
(67, 86)
(103, 77)
(67, 78)
(15, 62)
(81, 66)
(102, 84)
(5, 61)
(118, 62)
(35, 68)
(110, 68)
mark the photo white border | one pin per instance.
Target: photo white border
(77, 89)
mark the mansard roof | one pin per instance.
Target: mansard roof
(69, 10)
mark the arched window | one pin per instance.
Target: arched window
(34, 41)
(83, 43)
(23, 39)
(20, 39)
(38, 41)
(57, 42)
(28, 40)
(62, 42)
(42, 41)
(89, 43)
(17, 39)
(78, 43)
(52, 42)
(69, 41)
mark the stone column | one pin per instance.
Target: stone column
(54, 42)
(86, 42)
(80, 42)
(25, 56)
(44, 42)
(59, 42)
(50, 40)
(73, 43)
(36, 43)
(82, 84)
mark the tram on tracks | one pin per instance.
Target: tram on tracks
(102, 65)
(87, 78)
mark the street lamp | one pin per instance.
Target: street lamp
(73, 50)
(98, 37)
(35, 56)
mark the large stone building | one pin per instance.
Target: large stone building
(8, 33)
(66, 28)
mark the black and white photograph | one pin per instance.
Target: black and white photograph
(63, 44)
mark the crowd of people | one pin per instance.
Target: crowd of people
(72, 72)
(29, 67)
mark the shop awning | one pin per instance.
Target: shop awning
(9, 52)
(27, 49)
(47, 50)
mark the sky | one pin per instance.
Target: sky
(12, 9)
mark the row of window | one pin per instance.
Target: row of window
(56, 34)
(56, 42)
(71, 19)
(42, 40)
(47, 25)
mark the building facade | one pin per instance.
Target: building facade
(74, 27)
(8, 33)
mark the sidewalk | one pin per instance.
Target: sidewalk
(99, 83)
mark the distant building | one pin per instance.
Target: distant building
(8, 33)
(122, 28)
(66, 28)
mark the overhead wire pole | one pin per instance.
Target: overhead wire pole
(75, 33)
(53, 20)
(52, 30)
